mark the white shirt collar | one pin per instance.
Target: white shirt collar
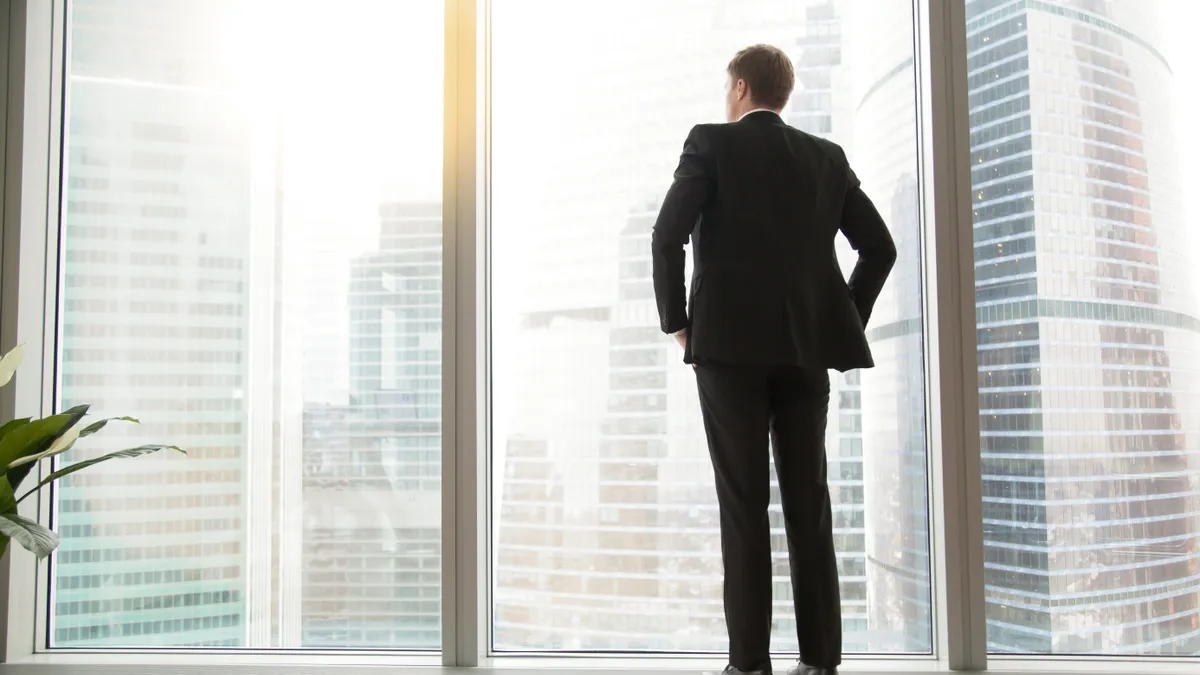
(757, 110)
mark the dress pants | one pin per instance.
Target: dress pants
(744, 406)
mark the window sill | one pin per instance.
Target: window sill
(370, 664)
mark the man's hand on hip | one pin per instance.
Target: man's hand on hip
(682, 337)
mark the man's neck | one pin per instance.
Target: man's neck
(757, 110)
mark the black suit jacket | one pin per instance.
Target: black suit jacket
(762, 203)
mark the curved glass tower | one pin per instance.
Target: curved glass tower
(1087, 332)
(893, 416)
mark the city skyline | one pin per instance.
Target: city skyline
(643, 505)
(254, 270)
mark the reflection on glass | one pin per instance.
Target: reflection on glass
(1088, 318)
(252, 266)
(605, 527)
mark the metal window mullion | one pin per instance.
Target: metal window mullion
(462, 364)
(33, 109)
(51, 20)
(956, 492)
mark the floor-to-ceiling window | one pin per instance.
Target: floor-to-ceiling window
(251, 265)
(265, 242)
(605, 524)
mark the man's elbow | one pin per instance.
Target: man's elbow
(883, 256)
(889, 254)
(657, 240)
(661, 244)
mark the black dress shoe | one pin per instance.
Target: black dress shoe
(730, 670)
(801, 669)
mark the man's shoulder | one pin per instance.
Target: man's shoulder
(718, 133)
(705, 135)
(823, 143)
(707, 130)
(707, 138)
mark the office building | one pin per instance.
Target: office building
(1088, 371)
(372, 470)
(156, 305)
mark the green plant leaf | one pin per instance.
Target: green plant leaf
(67, 440)
(79, 466)
(10, 363)
(12, 424)
(35, 538)
(33, 439)
(8, 504)
(8, 500)
(99, 424)
(60, 444)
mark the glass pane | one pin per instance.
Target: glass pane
(1082, 138)
(252, 234)
(606, 526)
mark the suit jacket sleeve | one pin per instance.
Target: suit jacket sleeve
(694, 185)
(864, 228)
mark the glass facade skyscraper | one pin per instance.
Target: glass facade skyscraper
(372, 475)
(1087, 315)
(288, 338)
(895, 458)
(155, 303)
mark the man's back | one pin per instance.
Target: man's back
(763, 202)
(769, 315)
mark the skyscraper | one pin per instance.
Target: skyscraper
(156, 297)
(655, 498)
(372, 483)
(1088, 367)
(617, 547)
(303, 379)
(546, 524)
(892, 421)
(610, 542)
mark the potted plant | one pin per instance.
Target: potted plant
(27, 441)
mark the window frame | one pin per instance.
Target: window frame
(960, 624)
(31, 111)
(32, 67)
(954, 492)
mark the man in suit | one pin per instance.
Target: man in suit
(770, 313)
